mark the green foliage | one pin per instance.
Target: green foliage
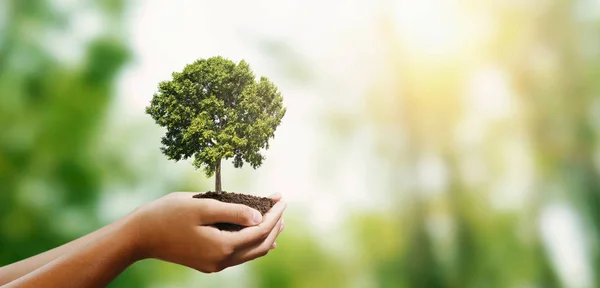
(51, 113)
(300, 261)
(52, 172)
(215, 109)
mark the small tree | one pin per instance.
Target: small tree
(215, 109)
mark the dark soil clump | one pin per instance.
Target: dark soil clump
(262, 204)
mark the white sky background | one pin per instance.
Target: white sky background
(333, 41)
(167, 35)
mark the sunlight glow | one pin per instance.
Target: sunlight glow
(430, 27)
(564, 238)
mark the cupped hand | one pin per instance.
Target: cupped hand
(179, 229)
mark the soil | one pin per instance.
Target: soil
(262, 204)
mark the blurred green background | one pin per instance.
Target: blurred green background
(432, 143)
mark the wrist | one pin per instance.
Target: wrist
(129, 236)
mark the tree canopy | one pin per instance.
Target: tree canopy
(216, 109)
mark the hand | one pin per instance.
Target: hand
(178, 229)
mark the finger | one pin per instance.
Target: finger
(260, 249)
(275, 197)
(280, 229)
(261, 231)
(214, 211)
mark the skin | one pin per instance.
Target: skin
(173, 228)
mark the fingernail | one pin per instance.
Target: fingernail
(274, 245)
(281, 227)
(257, 217)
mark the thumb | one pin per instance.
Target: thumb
(219, 212)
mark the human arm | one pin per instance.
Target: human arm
(174, 228)
(21, 268)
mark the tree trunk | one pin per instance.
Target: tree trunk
(218, 177)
